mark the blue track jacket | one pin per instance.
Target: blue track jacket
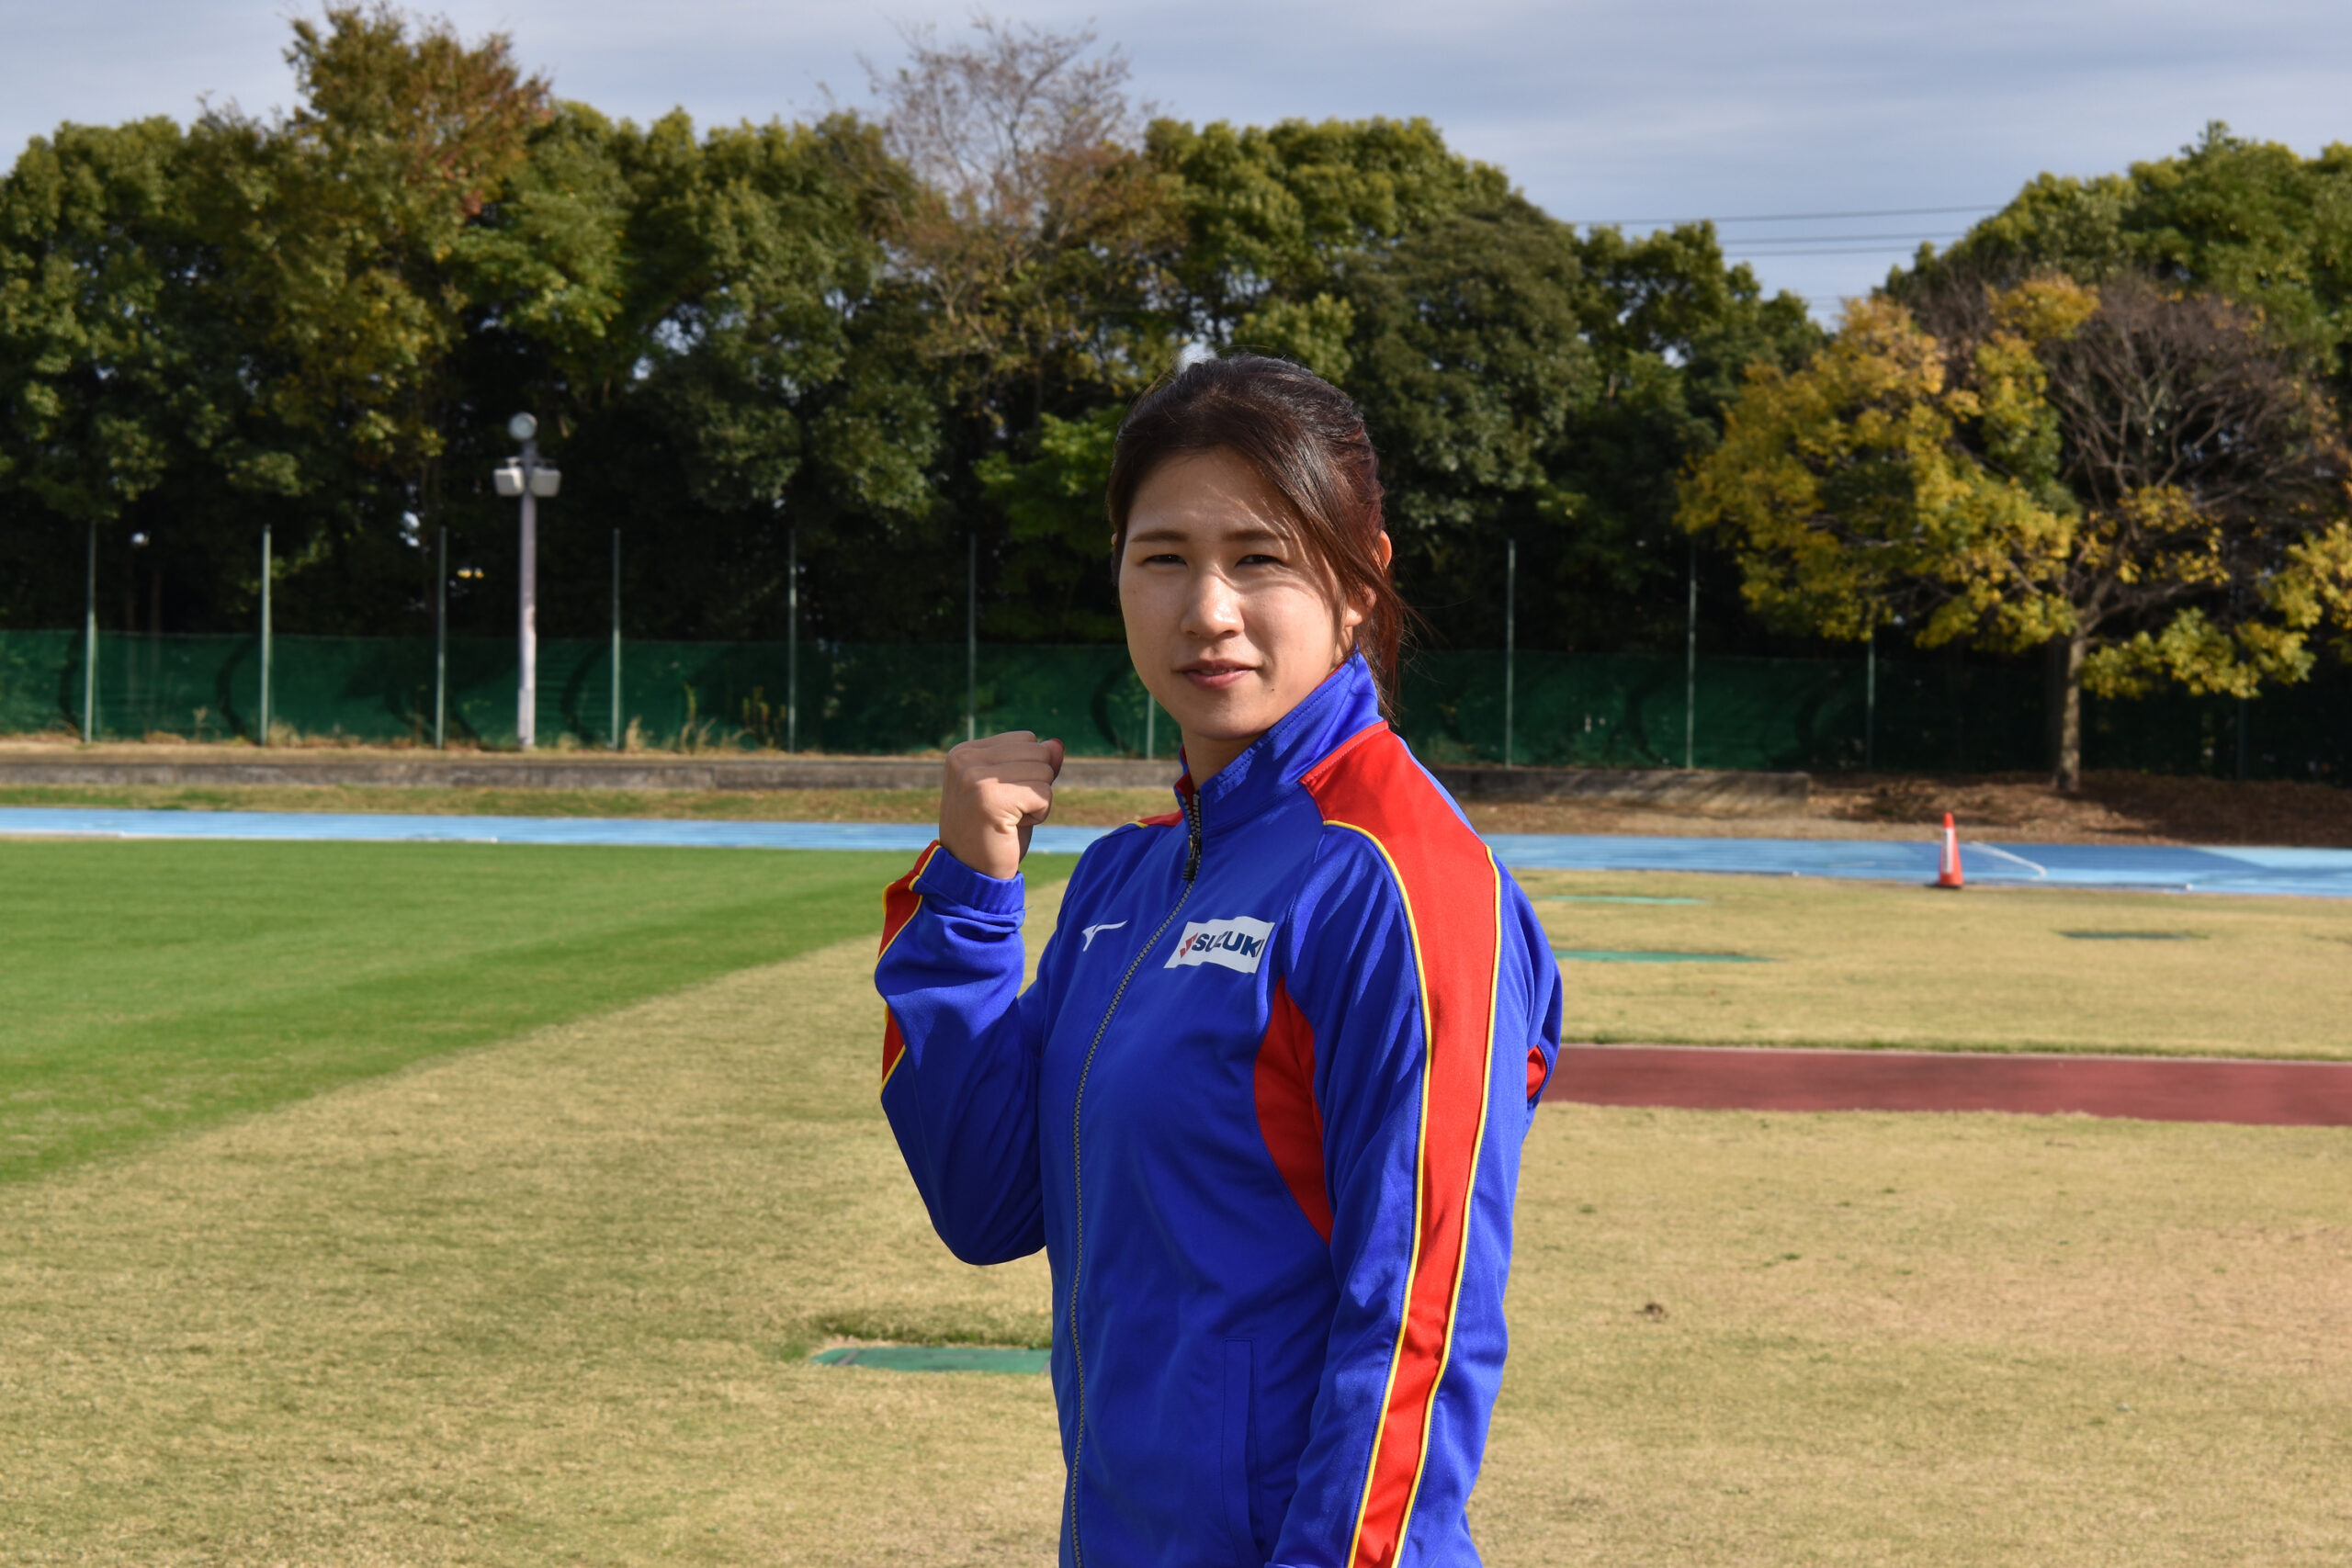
(1264, 1108)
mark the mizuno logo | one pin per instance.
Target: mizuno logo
(1237, 943)
(1089, 932)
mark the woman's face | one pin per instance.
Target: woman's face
(1230, 624)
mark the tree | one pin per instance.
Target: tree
(1673, 330)
(1520, 379)
(134, 396)
(1030, 241)
(871, 336)
(1272, 215)
(1056, 495)
(1467, 361)
(1033, 225)
(2139, 474)
(347, 225)
(342, 229)
(94, 353)
(2252, 222)
(706, 321)
(758, 378)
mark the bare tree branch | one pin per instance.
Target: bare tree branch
(1037, 230)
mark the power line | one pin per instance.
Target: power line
(1785, 217)
(1841, 238)
(1849, 251)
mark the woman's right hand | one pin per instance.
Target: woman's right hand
(997, 789)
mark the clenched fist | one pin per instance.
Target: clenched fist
(997, 789)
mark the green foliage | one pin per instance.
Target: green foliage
(1053, 504)
(2136, 477)
(357, 207)
(2253, 222)
(1470, 361)
(130, 399)
(1673, 330)
(1521, 380)
(1271, 214)
(92, 220)
(867, 339)
(1851, 499)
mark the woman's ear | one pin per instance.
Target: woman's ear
(1354, 613)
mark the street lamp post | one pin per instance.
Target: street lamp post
(527, 479)
(441, 645)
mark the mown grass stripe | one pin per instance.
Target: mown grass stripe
(153, 986)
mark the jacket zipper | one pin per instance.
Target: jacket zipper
(1077, 1173)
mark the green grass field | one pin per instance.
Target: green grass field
(153, 987)
(549, 1299)
(1867, 963)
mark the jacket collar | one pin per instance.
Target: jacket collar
(1345, 704)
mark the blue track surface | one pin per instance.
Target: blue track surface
(2308, 873)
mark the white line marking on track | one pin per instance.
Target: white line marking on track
(1990, 850)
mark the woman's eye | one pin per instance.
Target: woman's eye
(1262, 560)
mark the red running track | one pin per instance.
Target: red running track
(2155, 1088)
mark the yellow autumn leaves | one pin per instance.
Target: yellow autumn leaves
(1950, 486)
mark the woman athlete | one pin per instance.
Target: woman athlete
(1263, 1104)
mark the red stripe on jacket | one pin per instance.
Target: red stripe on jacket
(900, 902)
(1288, 1118)
(1451, 892)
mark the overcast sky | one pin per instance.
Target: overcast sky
(1599, 109)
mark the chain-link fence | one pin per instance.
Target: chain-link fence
(1568, 709)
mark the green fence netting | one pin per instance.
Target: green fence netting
(1571, 709)
(685, 695)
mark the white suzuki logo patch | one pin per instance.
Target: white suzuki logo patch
(1237, 943)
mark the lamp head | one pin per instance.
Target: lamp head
(522, 427)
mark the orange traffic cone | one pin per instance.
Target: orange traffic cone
(1949, 875)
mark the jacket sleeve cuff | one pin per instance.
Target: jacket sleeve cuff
(949, 881)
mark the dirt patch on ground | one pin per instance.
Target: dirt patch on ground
(2139, 807)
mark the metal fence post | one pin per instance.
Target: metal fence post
(616, 640)
(1870, 702)
(792, 638)
(441, 646)
(971, 637)
(1510, 637)
(265, 633)
(1690, 669)
(90, 644)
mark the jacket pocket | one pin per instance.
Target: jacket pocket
(1239, 1464)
